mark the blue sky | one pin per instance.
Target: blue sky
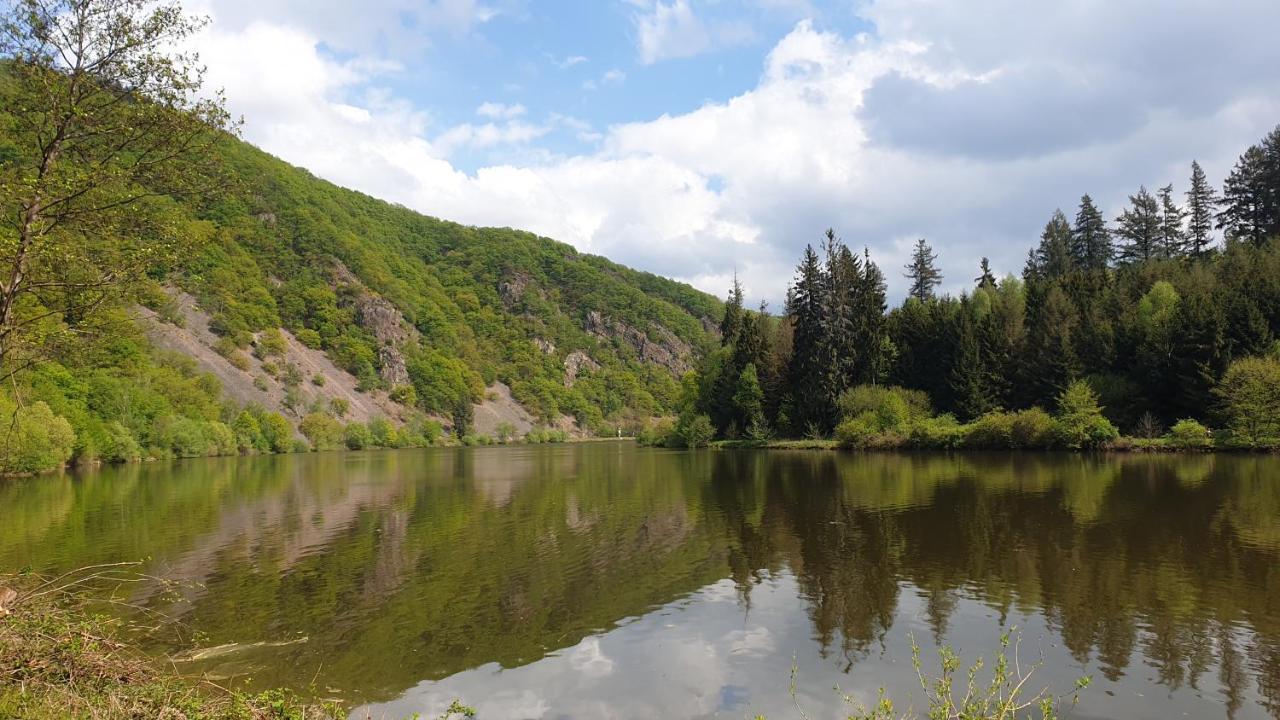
(699, 138)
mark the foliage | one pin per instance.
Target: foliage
(322, 431)
(34, 438)
(1080, 419)
(1187, 433)
(1250, 397)
(695, 431)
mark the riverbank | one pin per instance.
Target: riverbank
(59, 658)
(1120, 445)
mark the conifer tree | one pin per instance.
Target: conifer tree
(1202, 201)
(971, 387)
(985, 280)
(1139, 228)
(1251, 195)
(1051, 362)
(731, 322)
(873, 338)
(1172, 237)
(1090, 238)
(806, 372)
(1053, 258)
(923, 271)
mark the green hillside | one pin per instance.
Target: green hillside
(483, 299)
(582, 343)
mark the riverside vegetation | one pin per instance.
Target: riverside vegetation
(128, 188)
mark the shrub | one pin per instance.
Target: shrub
(357, 436)
(38, 439)
(405, 395)
(324, 432)
(270, 342)
(993, 430)
(277, 434)
(1250, 396)
(1080, 419)
(317, 380)
(383, 433)
(857, 432)
(1032, 428)
(1190, 434)
(943, 432)
(658, 433)
(505, 432)
(894, 408)
(421, 432)
(239, 361)
(248, 433)
(696, 431)
(298, 445)
(310, 338)
(339, 407)
(119, 444)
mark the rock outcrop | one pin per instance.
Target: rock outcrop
(667, 350)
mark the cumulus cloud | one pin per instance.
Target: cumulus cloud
(674, 30)
(965, 123)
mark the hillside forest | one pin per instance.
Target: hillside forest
(167, 290)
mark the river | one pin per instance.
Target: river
(607, 580)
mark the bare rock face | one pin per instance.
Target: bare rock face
(394, 369)
(667, 350)
(512, 289)
(546, 346)
(388, 325)
(377, 315)
(574, 363)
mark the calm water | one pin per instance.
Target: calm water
(605, 580)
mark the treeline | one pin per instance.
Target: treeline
(1150, 318)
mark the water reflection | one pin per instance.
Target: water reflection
(606, 580)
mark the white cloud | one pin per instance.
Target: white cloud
(944, 124)
(570, 61)
(673, 30)
(613, 77)
(500, 110)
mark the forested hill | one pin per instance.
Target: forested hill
(296, 309)
(569, 333)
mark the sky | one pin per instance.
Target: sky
(702, 138)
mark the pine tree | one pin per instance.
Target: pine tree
(1090, 238)
(731, 322)
(1051, 362)
(1053, 258)
(1202, 200)
(923, 272)
(806, 372)
(1172, 238)
(971, 385)
(985, 280)
(1140, 228)
(840, 341)
(1250, 197)
(873, 337)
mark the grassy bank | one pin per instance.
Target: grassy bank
(60, 659)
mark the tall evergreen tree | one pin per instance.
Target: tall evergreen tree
(1051, 363)
(1053, 258)
(806, 371)
(731, 321)
(923, 271)
(873, 336)
(985, 279)
(972, 389)
(1090, 238)
(1202, 201)
(1139, 228)
(1172, 237)
(1251, 195)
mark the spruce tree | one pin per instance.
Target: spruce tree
(1202, 201)
(1053, 258)
(1051, 362)
(731, 322)
(1139, 228)
(971, 386)
(873, 338)
(985, 280)
(1250, 196)
(923, 271)
(1172, 238)
(806, 371)
(1090, 238)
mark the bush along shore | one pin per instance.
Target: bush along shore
(59, 658)
(894, 418)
